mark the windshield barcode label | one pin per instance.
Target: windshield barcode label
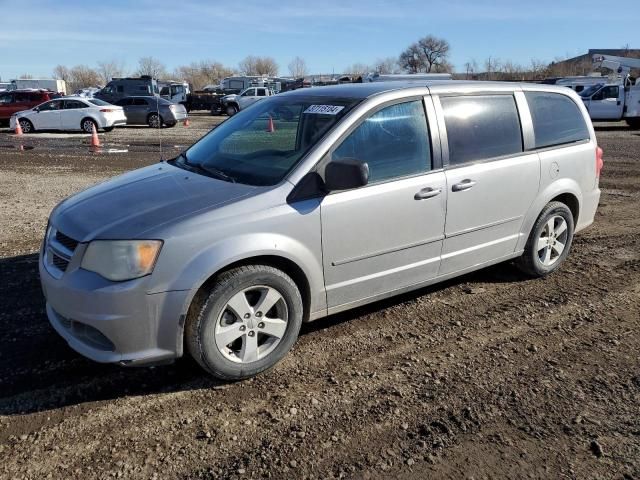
(324, 109)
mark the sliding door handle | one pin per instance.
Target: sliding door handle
(463, 185)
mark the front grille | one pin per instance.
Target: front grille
(60, 248)
(68, 242)
(59, 262)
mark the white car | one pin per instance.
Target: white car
(70, 113)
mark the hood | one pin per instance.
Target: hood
(134, 203)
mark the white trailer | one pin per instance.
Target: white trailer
(51, 84)
(614, 99)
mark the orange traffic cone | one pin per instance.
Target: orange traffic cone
(186, 122)
(270, 126)
(18, 128)
(95, 141)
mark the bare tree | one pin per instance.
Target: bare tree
(435, 52)
(298, 68)
(491, 67)
(62, 73)
(253, 65)
(151, 66)
(267, 66)
(512, 71)
(385, 66)
(538, 69)
(247, 66)
(110, 69)
(201, 74)
(82, 76)
(26, 76)
(357, 70)
(412, 59)
(471, 68)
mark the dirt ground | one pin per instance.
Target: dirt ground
(491, 375)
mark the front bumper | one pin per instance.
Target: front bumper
(176, 116)
(112, 322)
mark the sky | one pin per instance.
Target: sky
(329, 34)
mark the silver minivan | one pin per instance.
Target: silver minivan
(313, 202)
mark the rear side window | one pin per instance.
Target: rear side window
(140, 101)
(5, 99)
(481, 127)
(22, 97)
(393, 141)
(557, 120)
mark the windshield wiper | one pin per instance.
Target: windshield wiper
(209, 171)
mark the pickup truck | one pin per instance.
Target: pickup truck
(613, 102)
(232, 104)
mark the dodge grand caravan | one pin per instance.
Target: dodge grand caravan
(313, 202)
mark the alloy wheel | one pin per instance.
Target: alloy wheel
(252, 324)
(552, 240)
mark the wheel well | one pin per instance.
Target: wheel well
(88, 118)
(287, 266)
(570, 201)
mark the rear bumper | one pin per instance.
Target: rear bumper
(588, 209)
(113, 322)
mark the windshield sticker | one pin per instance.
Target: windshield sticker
(324, 109)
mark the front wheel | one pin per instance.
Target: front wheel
(154, 120)
(248, 322)
(549, 242)
(231, 110)
(108, 129)
(26, 125)
(633, 122)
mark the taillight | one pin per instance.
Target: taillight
(106, 110)
(599, 161)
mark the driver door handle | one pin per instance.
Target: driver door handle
(427, 192)
(466, 184)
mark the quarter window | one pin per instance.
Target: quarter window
(394, 142)
(481, 127)
(556, 119)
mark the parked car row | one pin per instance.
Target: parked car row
(39, 110)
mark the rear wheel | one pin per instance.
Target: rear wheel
(87, 125)
(248, 322)
(549, 242)
(26, 126)
(107, 129)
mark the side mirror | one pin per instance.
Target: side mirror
(346, 173)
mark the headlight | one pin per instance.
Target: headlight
(119, 260)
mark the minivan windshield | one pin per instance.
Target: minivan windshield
(587, 92)
(260, 145)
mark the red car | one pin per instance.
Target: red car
(18, 100)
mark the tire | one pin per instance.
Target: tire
(108, 129)
(170, 125)
(26, 125)
(542, 254)
(251, 349)
(231, 110)
(87, 124)
(633, 122)
(154, 120)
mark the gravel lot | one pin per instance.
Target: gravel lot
(487, 376)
